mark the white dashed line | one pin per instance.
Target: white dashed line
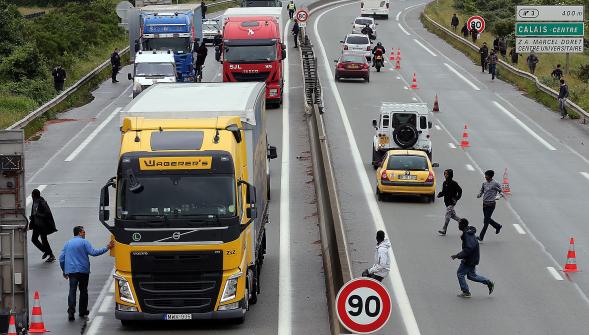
(438, 127)
(462, 77)
(30, 200)
(95, 325)
(554, 273)
(90, 137)
(107, 304)
(524, 126)
(403, 29)
(398, 14)
(469, 167)
(519, 229)
(451, 145)
(426, 48)
(584, 174)
(414, 99)
(398, 77)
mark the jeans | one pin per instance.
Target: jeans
(290, 13)
(562, 107)
(488, 209)
(492, 70)
(43, 245)
(296, 40)
(113, 75)
(78, 280)
(470, 273)
(450, 214)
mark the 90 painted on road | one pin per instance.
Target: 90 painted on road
(363, 305)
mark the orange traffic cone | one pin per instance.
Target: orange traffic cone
(464, 143)
(37, 324)
(11, 326)
(398, 64)
(414, 83)
(571, 264)
(399, 54)
(392, 56)
(436, 105)
(505, 187)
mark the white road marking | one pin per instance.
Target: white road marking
(103, 292)
(403, 29)
(29, 200)
(469, 167)
(284, 284)
(452, 146)
(90, 137)
(524, 126)
(107, 304)
(519, 229)
(398, 14)
(111, 288)
(398, 77)
(554, 273)
(414, 98)
(424, 47)
(395, 279)
(131, 95)
(437, 127)
(462, 77)
(584, 174)
(95, 325)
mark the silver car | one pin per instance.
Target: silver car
(358, 43)
(361, 22)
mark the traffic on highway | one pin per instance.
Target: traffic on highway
(365, 179)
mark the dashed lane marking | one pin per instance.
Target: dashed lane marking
(95, 325)
(554, 273)
(469, 167)
(461, 76)
(107, 304)
(438, 127)
(524, 126)
(403, 29)
(92, 135)
(425, 48)
(519, 229)
(584, 174)
(30, 200)
(398, 14)
(452, 146)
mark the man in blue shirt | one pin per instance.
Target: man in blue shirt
(75, 264)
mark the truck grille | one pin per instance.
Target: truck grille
(260, 76)
(177, 282)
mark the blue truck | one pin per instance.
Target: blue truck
(169, 27)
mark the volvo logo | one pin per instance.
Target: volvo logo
(136, 237)
(176, 235)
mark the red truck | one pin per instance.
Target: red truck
(252, 50)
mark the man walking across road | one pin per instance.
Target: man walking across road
(492, 60)
(563, 94)
(490, 189)
(382, 261)
(451, 192)
(75, 264)
(469, 256)
(115, 63)
(484, 52)
(42, 224)
(454, 23)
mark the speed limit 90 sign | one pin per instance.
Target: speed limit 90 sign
(477, 21)
(363, 305)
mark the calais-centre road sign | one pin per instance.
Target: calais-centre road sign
(549, 29)
(549, 13)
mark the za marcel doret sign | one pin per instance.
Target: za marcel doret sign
(549, 29)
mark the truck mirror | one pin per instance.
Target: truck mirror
(250, 192)
(283, 51)
(435, 164)
(272, 153)
(251, 212)
(129, 76)
(375, 124)
(429, 125)
(234, 129)
(335, 61)
(103, 209)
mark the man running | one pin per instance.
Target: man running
(452, 192)
(490, 189)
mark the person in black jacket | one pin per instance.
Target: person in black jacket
(115, 62)
(465, 31)
(42, 224)
(454, 23)
(295, 32)
(58, 78)
(451, 192)
(484, 52)
(563, 94)
(470, 256)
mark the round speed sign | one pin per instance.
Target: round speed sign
(477, 21)
(363, 305)
(302, 15)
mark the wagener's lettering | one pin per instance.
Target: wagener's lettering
(175, 163)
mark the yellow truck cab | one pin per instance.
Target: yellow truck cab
(192, 191)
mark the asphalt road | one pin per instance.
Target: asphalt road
(77, 153)
(547, 164)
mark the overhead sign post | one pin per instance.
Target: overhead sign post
(550, 29)
(363, 305)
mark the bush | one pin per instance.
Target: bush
(583, 72)
(11, 28)
(503, 28)
(25, 62)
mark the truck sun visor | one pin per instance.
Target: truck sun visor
(176, 140)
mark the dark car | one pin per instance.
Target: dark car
(352, 65)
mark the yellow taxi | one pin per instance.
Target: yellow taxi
(406, 172)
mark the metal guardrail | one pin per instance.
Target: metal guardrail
(336, 261)
(511, 68)
(73, 88)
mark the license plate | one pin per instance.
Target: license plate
(407, 177)
(178, 316)
(353, 66)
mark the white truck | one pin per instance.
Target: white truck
(152, 67)
(401, 126)
(274, 12)
(375, 8)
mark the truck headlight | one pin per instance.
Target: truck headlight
(233, 305)
(230, 289)
(125, 290)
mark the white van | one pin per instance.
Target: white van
(374, 8)
(152, 67)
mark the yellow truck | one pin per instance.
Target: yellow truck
(192, 192)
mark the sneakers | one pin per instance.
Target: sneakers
(497, 230)
(70, 317)
(51, 259)
(442, 232)
(491, 287)
(464, 295)
(44, 255)
(479, 238)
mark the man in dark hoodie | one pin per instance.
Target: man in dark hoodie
(451, 192)
(470, 259)
(42, 224)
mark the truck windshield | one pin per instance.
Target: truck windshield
(177, 196)
(175, 44)
(250, 53)
(154, 70)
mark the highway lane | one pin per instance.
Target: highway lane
(528, 299)
(72, 160)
